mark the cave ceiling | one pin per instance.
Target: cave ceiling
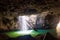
(16, 7)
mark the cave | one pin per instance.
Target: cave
(29, 20)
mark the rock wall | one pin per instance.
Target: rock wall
(14, 8)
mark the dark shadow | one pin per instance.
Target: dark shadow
(53, 21)
(26, 37)
(49, 37)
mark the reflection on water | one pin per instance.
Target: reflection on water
(24, 32)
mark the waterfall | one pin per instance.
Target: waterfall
(22, 23)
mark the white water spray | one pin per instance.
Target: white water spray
(23, 23)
